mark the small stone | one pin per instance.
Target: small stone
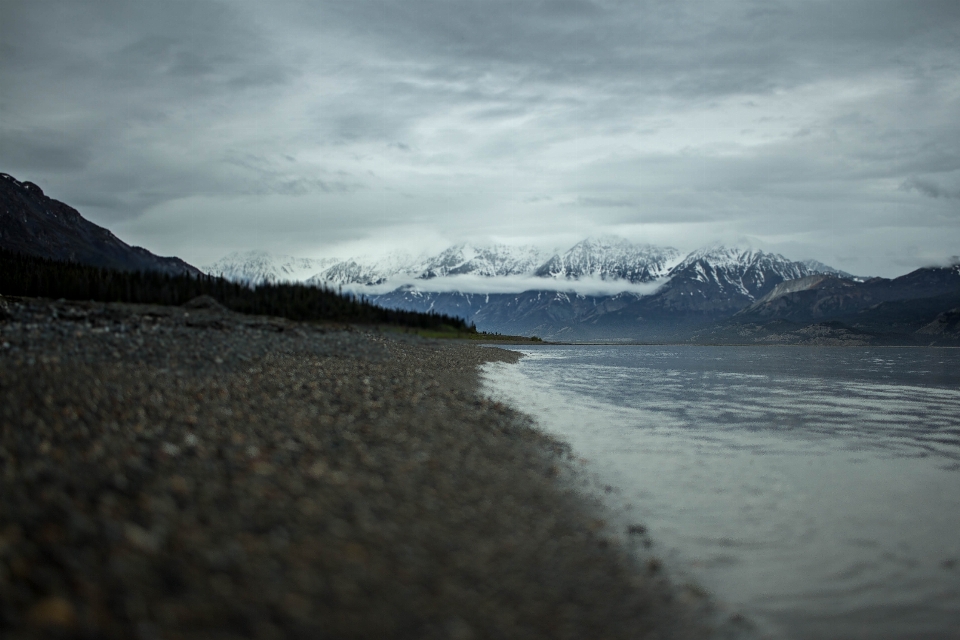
(180, 485)
(204, 302)
(141, 539)
(53, 613)
(355, 552)
(458, 629)
(263, 468)
(317, 470)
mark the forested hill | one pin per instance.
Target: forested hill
(31, 276)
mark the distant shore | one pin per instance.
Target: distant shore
(179, 472)
(727, 344)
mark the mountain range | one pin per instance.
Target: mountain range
(601, 289)
(606, 259)
(608, 289)
(610, 259)
(705, 286)
(458, 260)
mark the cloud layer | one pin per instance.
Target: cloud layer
(511, 284)
(199, 127)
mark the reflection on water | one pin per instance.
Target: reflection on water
(816, 490)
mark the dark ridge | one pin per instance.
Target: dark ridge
(35, 224)
(31, 276)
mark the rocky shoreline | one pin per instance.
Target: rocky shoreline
(188, 472)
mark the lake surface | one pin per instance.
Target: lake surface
(814, 490)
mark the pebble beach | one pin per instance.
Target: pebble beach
(189, 472)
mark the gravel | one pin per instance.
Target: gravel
(193, 473)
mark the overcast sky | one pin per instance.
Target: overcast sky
(821, 129)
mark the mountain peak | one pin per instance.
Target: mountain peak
(720, 253)
(256, 266)
(610, 258)
(719, 277)
(484, 260)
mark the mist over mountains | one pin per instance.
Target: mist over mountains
(258, 267)
(608, 259)
(600, 289)
(610, 289)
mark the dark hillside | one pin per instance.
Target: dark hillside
(875, 301)
(34, 224)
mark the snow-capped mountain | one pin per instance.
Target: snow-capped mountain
(491, 261)
(369, 271)
(608, 259)
(462, 259)
(256, 267)
(611, 259)
(648, 293)
(737, 275)
(710, 283)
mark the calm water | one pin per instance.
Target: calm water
(817, 491)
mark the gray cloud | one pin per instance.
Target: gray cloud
(929, 188)
(605, 202)
(330, 122)
(45, 150)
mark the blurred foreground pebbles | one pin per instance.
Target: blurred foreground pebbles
(193, 473)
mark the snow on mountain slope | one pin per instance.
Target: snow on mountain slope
(722, 279)
(611, 259)
(491, 261)
(607, 259)
(256, 267)
(746, 271)
(459, 260)
(369, 271)
(601, 287)
(713, 279)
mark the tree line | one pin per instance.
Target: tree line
(32, 276)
